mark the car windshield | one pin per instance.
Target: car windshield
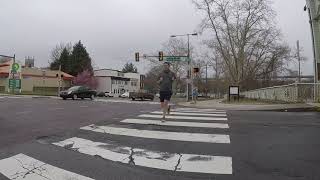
(74, 88)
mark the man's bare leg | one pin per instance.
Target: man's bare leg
(164, 110)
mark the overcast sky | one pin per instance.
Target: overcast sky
(113, 30)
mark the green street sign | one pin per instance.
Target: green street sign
(15, 68)
(175, 58)
(14, 83)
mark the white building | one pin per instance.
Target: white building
(116, 82)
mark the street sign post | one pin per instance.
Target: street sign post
(15, 77)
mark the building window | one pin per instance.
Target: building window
(126, 82)
(133, 83)
(114, 91)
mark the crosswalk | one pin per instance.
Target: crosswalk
(127, 101)
(24, 167)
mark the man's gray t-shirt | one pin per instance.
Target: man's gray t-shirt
(167, 79)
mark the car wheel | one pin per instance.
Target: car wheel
(82, 98)
(92, 97)
(133, 99)
(64, 98)
(74, 97)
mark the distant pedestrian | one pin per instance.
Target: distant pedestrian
(195, 94)
(165, 81)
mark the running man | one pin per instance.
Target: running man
(165, 80)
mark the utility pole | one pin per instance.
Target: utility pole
(189, 74)
(206, 80)
(59, 79)
(13, 73)
(299, 61)
(310, 8)
(189, 71)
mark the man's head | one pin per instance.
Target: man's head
(166, 66)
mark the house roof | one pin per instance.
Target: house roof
(107, 69)
(32, 72)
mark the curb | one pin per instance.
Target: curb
(44, 97)
(308, 108)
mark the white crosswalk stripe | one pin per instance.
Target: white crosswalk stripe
(127, 101)
(143, 157)
(199, 111)
(175, 123)
(21, 166)
(193, 114)
(185, 117)
(177, 136)
(159, 160)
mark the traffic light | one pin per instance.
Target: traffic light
(137, 57)
(57, 75)
(196, 70)
(160, 56)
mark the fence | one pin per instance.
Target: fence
(297, 92)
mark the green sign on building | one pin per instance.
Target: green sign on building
(14, 83)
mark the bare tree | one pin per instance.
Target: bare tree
(178, 47)
(245, 37)
(173, 47)
(56, 52)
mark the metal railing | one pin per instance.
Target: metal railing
(297, 92)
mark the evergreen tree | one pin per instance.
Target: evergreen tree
(65, 61)
(80, 60)
(55, 57)
(129, 68)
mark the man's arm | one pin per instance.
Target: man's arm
(174, 77)
(160, 78)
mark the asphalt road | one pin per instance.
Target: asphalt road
(263, 145)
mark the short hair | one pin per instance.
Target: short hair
(169, 64)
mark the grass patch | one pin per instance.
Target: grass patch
(255, 101)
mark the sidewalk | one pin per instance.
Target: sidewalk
(27, 96)
(217, 104)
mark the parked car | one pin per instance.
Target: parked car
(125, 95)
(141, 96)
(108, 94)
(76, 92)
(100, 94)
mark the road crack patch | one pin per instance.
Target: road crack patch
(131, 159)
(178, 163)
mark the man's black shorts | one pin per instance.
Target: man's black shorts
(165, 95)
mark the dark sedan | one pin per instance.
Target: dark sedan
(76, 92)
